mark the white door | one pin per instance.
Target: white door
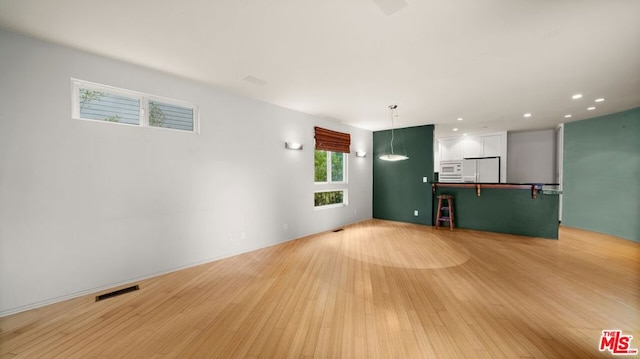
(560, 149)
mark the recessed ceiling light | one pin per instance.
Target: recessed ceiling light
(455, 129)
(591, 108)
(459, 118)
(567, 116)
(527, 115)
(464, 134)
(576, 96)
(599, 99)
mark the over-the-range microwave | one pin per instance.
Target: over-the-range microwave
(450, 171)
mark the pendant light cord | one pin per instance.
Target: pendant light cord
(393, 110)
(392, 134)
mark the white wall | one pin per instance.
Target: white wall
(88, 205)
(532, 157)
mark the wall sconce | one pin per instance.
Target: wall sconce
(361, 154)
(293, 145)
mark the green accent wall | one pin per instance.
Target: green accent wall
(398, 187)
(601, 170)
(510, 211)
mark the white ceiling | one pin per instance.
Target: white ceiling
(487, 61)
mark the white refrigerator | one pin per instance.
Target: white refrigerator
(481, 170)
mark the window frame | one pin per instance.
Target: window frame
(143, 99)
(332, 186)
(345, 166)
(345, 198)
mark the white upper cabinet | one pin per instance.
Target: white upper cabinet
(471, 146)
(491, 145)
(450, 149)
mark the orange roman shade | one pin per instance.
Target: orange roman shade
(333, 141)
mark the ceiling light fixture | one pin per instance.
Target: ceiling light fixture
(599, 99)
(459, 118)
(527, 115)
(455, 129)
(576, 96)
(567, 116)
(254, 80)
(390, 7)
(591, 108)
(392, 156)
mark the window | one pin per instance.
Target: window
(105, 106)
(330, 167)
(110, 104)
(330, 198)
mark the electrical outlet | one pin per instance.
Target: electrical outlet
(285, 226)
(424, 179)
(415, 213)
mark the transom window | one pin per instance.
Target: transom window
(330, 198)
(98, 102)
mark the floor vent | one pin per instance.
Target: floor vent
(117, 293)
(338, 230)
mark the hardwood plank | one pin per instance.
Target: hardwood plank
(378, 289)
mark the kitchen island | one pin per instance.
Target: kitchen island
(528, 209)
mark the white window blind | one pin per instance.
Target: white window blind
(98, 102)
(105, 106)
(170, 116)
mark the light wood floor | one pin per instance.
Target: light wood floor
(377, 289)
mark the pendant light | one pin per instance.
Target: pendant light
(392, 156)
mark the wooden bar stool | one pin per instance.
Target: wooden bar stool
(448, 208)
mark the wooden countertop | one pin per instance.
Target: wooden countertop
(533, 187)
